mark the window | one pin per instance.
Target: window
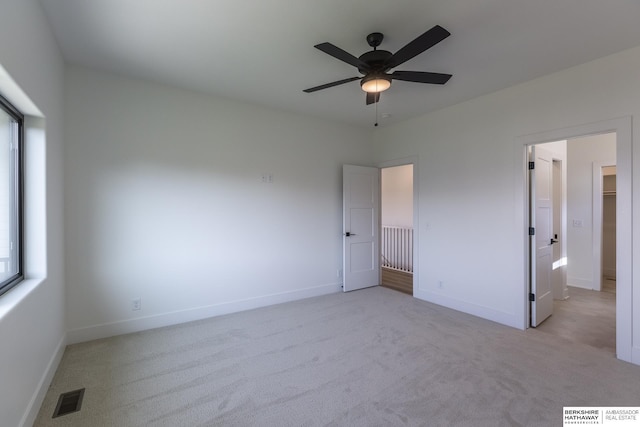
(11, 136)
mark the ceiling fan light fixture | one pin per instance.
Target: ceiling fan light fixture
(375, 83)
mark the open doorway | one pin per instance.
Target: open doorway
(584, 233)
(397, 228)
(609, 229)
(622, 127)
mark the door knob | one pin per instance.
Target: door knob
(349, 234)
(553, 241)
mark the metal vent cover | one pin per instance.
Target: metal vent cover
(69, 402)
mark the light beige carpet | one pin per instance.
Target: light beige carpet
(367, 358)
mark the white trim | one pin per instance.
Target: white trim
(596, 224)
(521, 202)
(625, 232)
(176, 317)
(35, 403)
(411, 160)
(577, 282)
(504, 318)
(635, 355)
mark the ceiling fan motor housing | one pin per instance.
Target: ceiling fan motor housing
(375, 39)
(376, 60)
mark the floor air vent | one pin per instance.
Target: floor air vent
(69, 402)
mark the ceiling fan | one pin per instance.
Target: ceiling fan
(375, 64)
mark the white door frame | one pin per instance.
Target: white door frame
(411, 160)
(596, 226)
(624, 264)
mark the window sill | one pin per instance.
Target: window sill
(15, 296)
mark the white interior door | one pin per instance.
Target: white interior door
(361, 207)
(559, 273)
(541, 242)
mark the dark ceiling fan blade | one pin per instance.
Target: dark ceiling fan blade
(421, 77)
(430, 38)
(342, 55)
(332, 84)
(373, 97)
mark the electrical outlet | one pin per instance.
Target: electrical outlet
(338, 273)
(136, 304)
(440, 284)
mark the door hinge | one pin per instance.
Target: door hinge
(532, 165)
(532, 231)
(532, 297)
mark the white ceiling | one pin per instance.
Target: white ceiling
(261, 51)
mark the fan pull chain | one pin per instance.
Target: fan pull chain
(376, 123)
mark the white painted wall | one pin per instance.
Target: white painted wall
(582, 153)
(165, 202)
(32, 329)
(397, 196)
(471, 191)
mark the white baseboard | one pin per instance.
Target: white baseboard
(635, 355)
(173, 318)
(580, 283)
(508, 319)
(35, 403)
